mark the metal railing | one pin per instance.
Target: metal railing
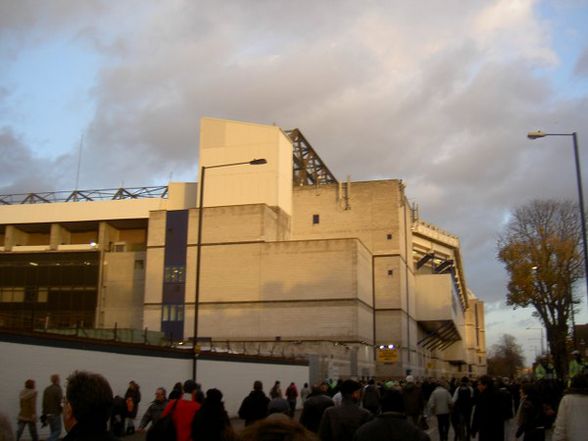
(48, 197)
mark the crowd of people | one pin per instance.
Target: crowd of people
(346, 410)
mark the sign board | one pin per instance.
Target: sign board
(388, 356)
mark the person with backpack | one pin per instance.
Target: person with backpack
(463, 402)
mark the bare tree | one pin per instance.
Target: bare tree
(506, 357)
(540, 250)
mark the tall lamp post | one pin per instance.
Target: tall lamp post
(199, 248)
(539, 134)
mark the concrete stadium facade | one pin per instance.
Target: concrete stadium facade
(345, 274)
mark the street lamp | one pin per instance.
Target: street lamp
(203, 169)
(539, 134)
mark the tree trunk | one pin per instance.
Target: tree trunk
(557, 336)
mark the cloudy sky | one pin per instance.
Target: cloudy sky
(439, 94)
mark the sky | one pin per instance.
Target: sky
(438, 94)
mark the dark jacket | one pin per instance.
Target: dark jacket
(254, 407)
(81, 433)
(488, 419)
(153, 413)
(390, 426)
(312, 411)
(413, 399)
(340, 423)
(135, 396)
(52, 397)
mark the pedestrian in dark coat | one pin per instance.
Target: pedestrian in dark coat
(339, 423)
(314, 407)
(212, 422)
(488, 420)
(254, 406)
(132, 398)
(155, 409)
(391, 424)
(530, 421)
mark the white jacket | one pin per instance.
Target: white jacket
(440, 402)
(571, 423)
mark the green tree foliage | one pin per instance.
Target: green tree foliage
(540, 249)
(506, 357)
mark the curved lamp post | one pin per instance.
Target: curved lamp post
(539, 134)
(203, 169)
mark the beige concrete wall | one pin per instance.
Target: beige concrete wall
(80, 211)
(434, 297)
(225, 142)
(242, 223)
(123, 287)
(373, 214)
(305, 280)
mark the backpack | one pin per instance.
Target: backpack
(464, 399)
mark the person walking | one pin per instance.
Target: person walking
(155, 409)
(276, 390)
(339, 423)
(183, 411)
(132, 398)
(439, 404)
(292, 397)
(212, 422)
(488, 420)
(52, 400)
(391, 424)
(371, 397)
(254, 406)
(314, 407)
(305, 392)
(530, 417)
(571, 423)
(28, 411)
(413, 401)
(463, 402)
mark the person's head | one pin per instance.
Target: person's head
(351, 389)
(277, 429)
(484, 382)
(214, 396)
(576, 354)
(324, 387)
(88, 401)
(160, 394)
(30, 384)
(257, 385)
(54, 379)
(465, 380)
(409, 379)
(189, 386)
(392, 401)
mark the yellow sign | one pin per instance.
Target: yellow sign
(388, 356)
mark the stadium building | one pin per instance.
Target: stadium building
(283, 260)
